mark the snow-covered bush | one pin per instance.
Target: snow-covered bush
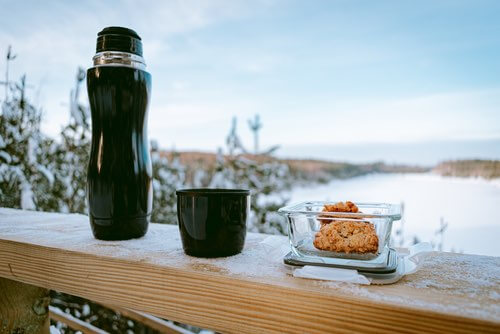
(167, 177)
(40, 173)
(69, 158)
(24, 176)
(266, 178)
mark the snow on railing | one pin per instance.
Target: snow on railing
(252, 292)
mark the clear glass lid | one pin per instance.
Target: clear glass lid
(366, 210)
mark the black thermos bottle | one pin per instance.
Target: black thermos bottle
(119, 182)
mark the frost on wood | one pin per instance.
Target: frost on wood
(442, 279)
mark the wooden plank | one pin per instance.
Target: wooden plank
(23, 308)
(252, 292)
(149, 320)
(74, 323)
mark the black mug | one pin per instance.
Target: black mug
(119, 181)
(212, 222)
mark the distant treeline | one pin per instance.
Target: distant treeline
(488, 169)
(324, 171)
(309, 170)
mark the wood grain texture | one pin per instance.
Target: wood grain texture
(252, 292)
(149, 320)
(23, 308)
(74, 323)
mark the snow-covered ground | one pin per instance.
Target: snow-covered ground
(471, 207)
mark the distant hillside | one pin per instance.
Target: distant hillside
(488, 169)
(424, 153)
(343, 170)
(303, 170)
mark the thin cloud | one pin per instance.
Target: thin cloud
(60, 37)
(316, 73)
(455, 115)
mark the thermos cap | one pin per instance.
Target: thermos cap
(119, 39)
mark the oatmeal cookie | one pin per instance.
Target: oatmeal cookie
(347, 237)
(348, 206)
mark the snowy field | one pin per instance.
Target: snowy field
(471, 207)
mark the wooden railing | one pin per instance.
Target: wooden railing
(252, 292)
(148, 320)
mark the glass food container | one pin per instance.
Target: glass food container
(305, 220)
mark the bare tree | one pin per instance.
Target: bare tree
(233, 141)
(10, 57)
(440, 231)
(255, 126)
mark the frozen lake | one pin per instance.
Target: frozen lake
(471, 207)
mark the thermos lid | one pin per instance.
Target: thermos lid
(119, 39)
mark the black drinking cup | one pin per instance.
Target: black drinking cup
(212, 222)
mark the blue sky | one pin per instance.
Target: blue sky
(320, 73)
